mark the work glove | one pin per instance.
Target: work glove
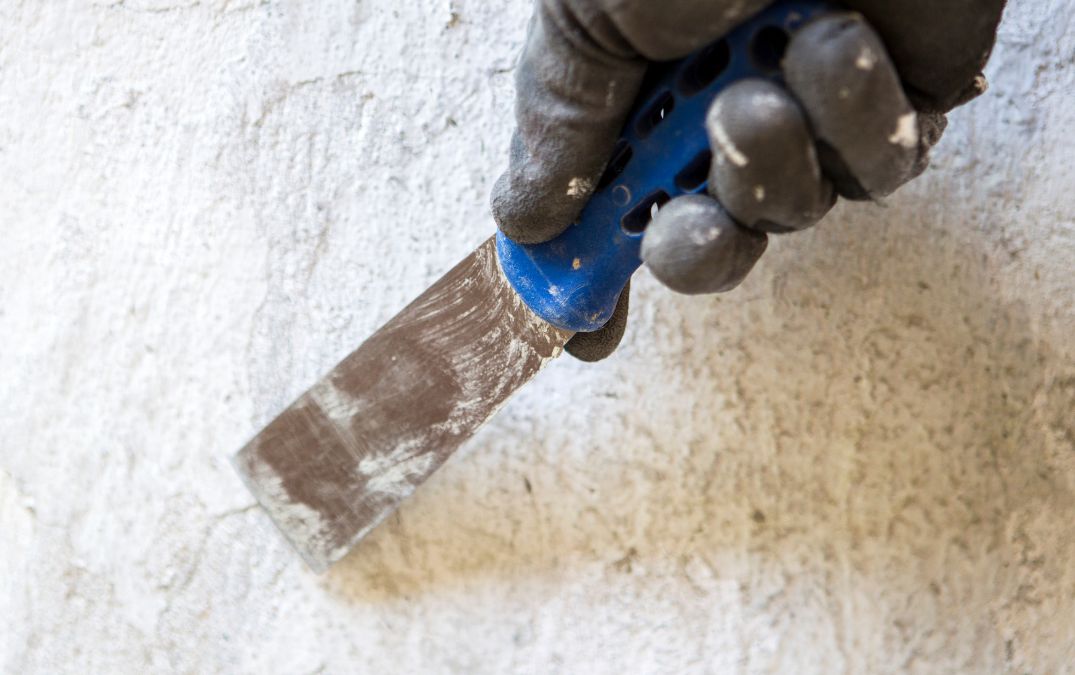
(866, 95)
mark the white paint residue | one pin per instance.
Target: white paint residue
(706, 236)
(306, 529)
(906, 133)
(759, 193)
(610, 95)
(579, 187)
(724, 142)
(397, 473)
(811, 154)
(768, 101)
(866, 59)
(338, 405)
(734, 10)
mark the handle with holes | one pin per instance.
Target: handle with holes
(575, 280)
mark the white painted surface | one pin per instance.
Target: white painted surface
(861, 461)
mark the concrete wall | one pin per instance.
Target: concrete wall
(860, 461)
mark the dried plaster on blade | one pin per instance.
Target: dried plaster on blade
(363, 439)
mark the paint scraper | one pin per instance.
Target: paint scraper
(343, 456)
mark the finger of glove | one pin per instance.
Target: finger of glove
(600, 344)
(573, 96)
(577, 80)
(669, 29)
(939, 46)
(765, 169)
(693, 246)
(867, 131)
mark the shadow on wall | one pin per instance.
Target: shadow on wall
(882, 446)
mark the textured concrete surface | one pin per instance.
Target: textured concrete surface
(861, 461)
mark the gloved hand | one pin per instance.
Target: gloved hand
(867, 91)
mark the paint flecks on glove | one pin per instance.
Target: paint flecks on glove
(866, 133)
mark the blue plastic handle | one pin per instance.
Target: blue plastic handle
(575, 280)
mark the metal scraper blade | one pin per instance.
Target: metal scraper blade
(348, 451)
